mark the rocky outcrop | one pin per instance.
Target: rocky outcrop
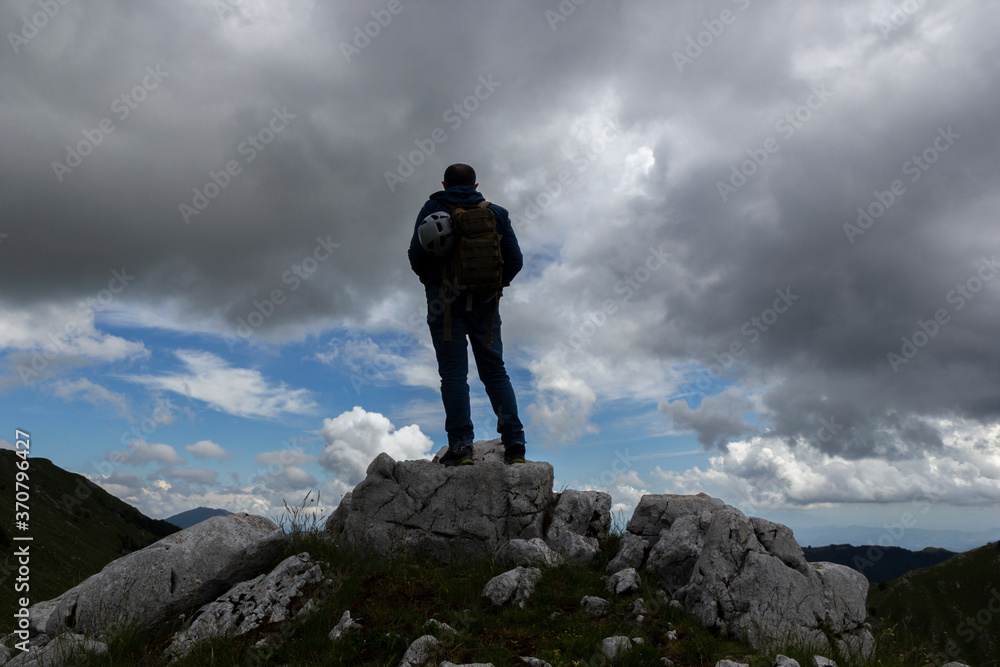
(150, 587)
(250, 605)
(422, 509)
(747, 577)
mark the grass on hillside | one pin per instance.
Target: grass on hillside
(394, 600)
(952, 609)
(76, 528)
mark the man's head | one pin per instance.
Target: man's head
(459, 174)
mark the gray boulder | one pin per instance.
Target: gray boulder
(594, 605)
(785, 661)
(410, 509)
(249, 605)
(421, 652)
(177, 574)
(67, 650)
(749, 577)
(344, 625)
(623, 582)
(654, 513)
(614, 646)
(583, 512)
(631, 553)
(579, 519)
(528, 553)
(512, 587)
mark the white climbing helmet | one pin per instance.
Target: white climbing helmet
(435, 233)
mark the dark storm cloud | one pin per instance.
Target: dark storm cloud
(768, 135)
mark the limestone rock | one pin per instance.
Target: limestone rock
(820, 661)
(595, 606)
(534, 662)
(344, 625)
(249, 605)
(421, 652)
(631, 553)
(654, 513)
(612, 647)
(585, 513)
(66, 650)
(577, 549)
(784, 661)
(179, 573)
(528, 553)
(730, 663)
(624, 582)
(748, 576)
(512, 587)
(447, 514)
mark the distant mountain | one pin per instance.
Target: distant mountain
(877, 563)
(197, 515)
(952, 608)
(76, 528)
(913, 539)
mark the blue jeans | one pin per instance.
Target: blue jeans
(453, 366)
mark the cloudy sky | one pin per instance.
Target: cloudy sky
(760, 245)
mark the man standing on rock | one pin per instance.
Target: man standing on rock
(460, 224)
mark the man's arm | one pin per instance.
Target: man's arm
(421, 261)
(513, 260)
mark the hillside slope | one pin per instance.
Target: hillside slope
(76, 528)
(952, 608)
(877, 563)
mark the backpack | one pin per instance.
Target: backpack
(475, 265)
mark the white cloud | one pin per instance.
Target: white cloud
(767, 472)
(287, 457)
(238, 391)
(292, 478)
(49, 338)
(141, 452)
(84, 389)
(196, 475)
(206, 449)
(355, 438)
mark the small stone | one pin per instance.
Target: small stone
(624, 582)
(512, 587)
(420, 652)
(784, 661)
(613, 646)
(820, 661)
(595, 606)
(344, 625)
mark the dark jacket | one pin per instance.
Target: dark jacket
(428, 267)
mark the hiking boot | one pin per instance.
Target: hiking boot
(458, 457)
(514, 453)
